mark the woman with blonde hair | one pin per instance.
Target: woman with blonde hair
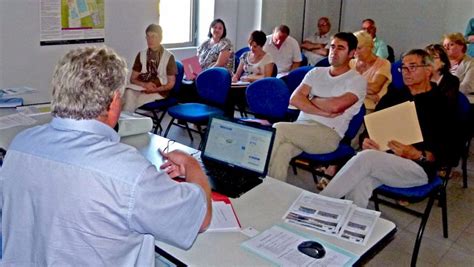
(462, 65)
(376, 70)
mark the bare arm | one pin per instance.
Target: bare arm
(239, 71)
(300, 100)
(375, 86)
(336, 104)
(308, 45)
(295, 65)
(179, 163)
(149, 86)
(222, 59)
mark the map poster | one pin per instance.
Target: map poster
(71, 22)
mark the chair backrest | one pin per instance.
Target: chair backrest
(179, 79)
(295, 77)
(275, 70)
(391, 54)
(323, 63)
(304, 60)
(460, 128)
(237, 56)
(268, 98)
(397, 78)
(354, 125)
(213, 86)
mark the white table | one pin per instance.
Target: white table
(260, 208)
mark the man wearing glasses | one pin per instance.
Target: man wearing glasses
(403, 165)
(315, 46)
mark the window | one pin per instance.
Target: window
(178, 20)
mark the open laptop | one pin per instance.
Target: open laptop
(236, 155)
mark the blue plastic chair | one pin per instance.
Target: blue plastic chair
(295, 77)
(343, 152)
(161, 106)
(293, 80)
(323, 63)
(397, 78)
(268, 99)
(213, 87)
(435, 188)
(304, 60)
(237, 56)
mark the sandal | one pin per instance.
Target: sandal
(322, 183)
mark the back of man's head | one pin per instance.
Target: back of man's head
(349, 38)
(84, 82)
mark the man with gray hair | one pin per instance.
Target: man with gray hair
(72, 194)
(406, 165)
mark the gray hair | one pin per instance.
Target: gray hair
(426, 58)
(84, 82)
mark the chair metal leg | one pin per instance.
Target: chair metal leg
(160, 119)
(375, 199)
(189, 131)
(464, 157)
(444, 211)
(169, 126)
(421, 230)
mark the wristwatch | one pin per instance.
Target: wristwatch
(423, 158)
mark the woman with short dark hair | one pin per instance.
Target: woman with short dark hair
(217, 51)
(256, 63)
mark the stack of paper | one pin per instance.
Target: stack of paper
(224, 218)
(332, 216)
(399, 123)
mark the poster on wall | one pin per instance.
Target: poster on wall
(71, 22)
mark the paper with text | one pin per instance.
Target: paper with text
(399, 123)
(223, 218)
(280, 246)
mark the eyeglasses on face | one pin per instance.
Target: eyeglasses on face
(410, 68)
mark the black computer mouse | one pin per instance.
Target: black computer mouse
(312, 249)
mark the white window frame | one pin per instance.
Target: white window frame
(193, 28)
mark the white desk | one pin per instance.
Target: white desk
(260, 208)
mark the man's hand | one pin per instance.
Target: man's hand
(177, 162)
(150, 88)
(370, 144)
(404, 151)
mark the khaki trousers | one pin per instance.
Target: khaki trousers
(292, 138)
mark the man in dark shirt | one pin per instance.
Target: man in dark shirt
(404, 165)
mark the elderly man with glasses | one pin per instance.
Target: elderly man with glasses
(404, 165)
(315, 46)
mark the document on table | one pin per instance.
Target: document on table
(34, 109)
(223, 218)
(331, 216)
(280, 246)
(399, 123)
(135, 87)
(240, 83)
(16, 119)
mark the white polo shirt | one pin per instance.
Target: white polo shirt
(284, 57)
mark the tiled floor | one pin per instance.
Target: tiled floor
(456, 250)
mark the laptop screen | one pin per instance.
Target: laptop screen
(238, 144)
